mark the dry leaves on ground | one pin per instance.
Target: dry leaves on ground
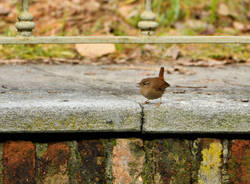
(207, 63)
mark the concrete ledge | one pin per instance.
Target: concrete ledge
(199, 114)
(83, 115)
(66, 98)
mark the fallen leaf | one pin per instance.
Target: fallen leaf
(4, 10)
(174, 52)
(223, 10)
(92, 5)
(238, 26)
(94, 50)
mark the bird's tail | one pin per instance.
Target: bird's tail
(161, 73)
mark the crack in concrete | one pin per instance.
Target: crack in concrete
(142, 117)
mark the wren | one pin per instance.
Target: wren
(153, 88)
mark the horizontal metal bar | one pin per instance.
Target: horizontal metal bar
(125, 39)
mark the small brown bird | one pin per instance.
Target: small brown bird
(153, 88)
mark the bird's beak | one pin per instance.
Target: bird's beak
(138, 84)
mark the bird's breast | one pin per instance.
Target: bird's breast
(151, 93)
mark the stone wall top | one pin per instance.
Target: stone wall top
(66, 98)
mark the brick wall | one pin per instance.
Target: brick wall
(125, 161)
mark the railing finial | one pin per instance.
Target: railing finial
(25, 22)
(148, 23)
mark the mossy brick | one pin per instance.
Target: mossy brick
(74, 162)
(239, 161)
(19, 162)
(53, 167)
(128, 161)
(108, 147)
(41, 148)
(92, 167)
(174, 161)
(149, 164)
(168, 161)
(211, 161)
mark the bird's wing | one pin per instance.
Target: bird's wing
(160, 85)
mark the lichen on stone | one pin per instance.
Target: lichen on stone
(209, 171)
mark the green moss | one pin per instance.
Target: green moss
(41, 148)
(108, 145)
(148, 173)
(136, 148)
(74, 162)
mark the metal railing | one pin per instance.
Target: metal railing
(25, 25)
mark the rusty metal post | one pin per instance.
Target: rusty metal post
(25, 22)
(148, 23)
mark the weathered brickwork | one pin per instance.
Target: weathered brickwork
(54, 164)
(92, 169)
(126, 161)
(239, 162)
(168, 161)
(19, 162)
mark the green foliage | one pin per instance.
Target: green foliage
(64, 20)
(134, 20)
(174, 11)
(167, 13)
(213, 11)
(218, 52)
(36, 51)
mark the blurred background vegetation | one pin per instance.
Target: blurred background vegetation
(120, 17)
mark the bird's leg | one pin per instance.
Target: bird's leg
(159, 103)
(146, 102)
